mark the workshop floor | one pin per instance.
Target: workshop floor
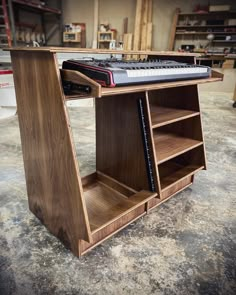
(185, 246)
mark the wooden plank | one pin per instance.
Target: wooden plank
(149, 36)
(173, 29)
(137, 26)
(52, 174)
(95, 24)
(149, 15)
(169, 145)
(101, 51)
(143, 37)
(144, 25)
(125, 25)
(128, 38)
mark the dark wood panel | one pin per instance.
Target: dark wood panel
(52, 175)
(120, 152)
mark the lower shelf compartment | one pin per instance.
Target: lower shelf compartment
(107, 200)
(181, 167)
(177, 173)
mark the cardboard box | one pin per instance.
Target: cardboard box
(213, 8)
(232, 22)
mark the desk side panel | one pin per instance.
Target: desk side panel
(52, 175)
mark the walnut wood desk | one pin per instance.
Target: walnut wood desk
(149, 145)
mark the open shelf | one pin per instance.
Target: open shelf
(203, 33)
(107, 200)
(162, 115)
(180, 168)
(178, 173)
(224, 41)
(31, 5)
(169, 145)
(205, 26)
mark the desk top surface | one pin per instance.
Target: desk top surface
(90, 50)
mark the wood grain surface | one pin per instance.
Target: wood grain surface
(119, 145)
(52, 175)
(162, 116)
(169, 145)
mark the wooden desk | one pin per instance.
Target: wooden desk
(149, 145)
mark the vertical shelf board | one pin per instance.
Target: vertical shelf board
(52, 176)
(119, 140)
(173, 29)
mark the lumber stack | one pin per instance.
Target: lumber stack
(143, 26)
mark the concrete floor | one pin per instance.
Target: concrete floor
(185, 246)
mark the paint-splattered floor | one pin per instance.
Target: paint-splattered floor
(185, 246)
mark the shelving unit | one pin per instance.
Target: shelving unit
(104, 38)
(83, 212)
(46, 14)
(190, 28)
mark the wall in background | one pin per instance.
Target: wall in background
(81, 12)
(110, 11)
(115, 11)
